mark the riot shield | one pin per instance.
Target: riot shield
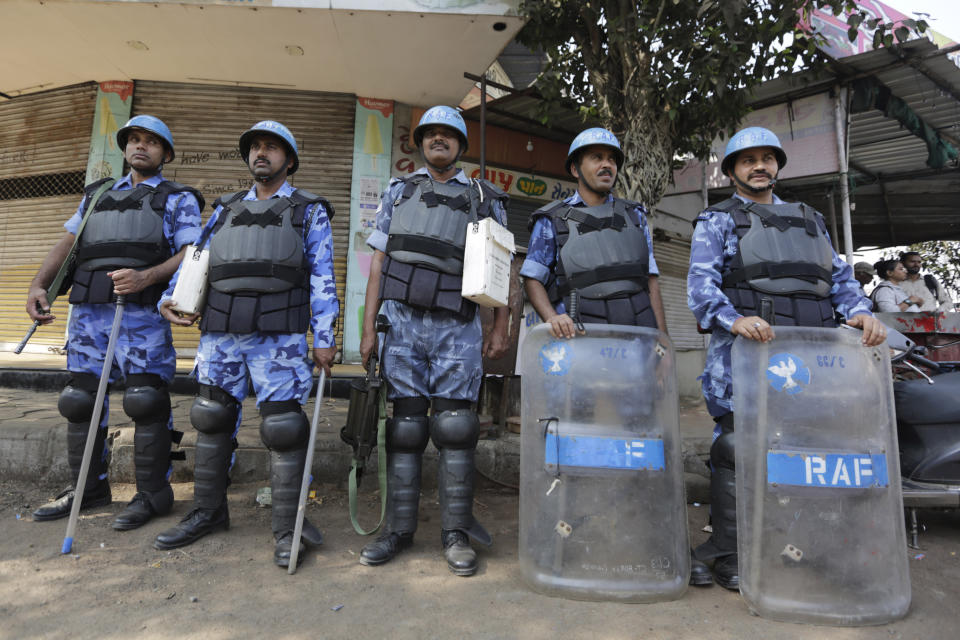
(602, 508)
(821, 534)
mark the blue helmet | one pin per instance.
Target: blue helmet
(148, 123)
(594, 136)
(273, 128)
(446, 116)
(750, 138)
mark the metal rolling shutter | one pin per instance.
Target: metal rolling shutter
(518, 214)
(673, 259)
(44, 143)
(206, 122)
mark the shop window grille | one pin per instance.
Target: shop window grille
(42, 186)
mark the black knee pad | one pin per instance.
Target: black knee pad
(146, 398)
(458, 429)
(284, 426)
(408, 434)
(214, 411)
(77, 398)
(723, 452)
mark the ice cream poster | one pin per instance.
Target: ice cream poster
(372, 140)
(114, 99)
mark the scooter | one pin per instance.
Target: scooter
(928, 429)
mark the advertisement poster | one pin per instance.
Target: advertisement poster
(114, 99)
(373, 133)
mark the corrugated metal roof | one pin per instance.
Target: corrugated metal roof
(898, 199)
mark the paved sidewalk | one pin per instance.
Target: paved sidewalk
(33, 437)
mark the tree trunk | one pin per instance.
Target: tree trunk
(648, 148)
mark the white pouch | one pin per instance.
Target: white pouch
(486, 263)
(190, 294)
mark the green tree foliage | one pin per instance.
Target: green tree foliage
(669, 76)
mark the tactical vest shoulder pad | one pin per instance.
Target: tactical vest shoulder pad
(548, 210)
(91, 188)
(730, 205)
(302, 197)
(228, 199)
(168, 187)
(492, 191)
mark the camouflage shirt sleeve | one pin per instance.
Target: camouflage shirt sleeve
(642, 214)
(181, 220)
(541, 252)
(713, 245)
(324, 304)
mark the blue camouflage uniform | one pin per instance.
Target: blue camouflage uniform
(428, 353)
(541, 257)
(280, 365)
(713, 246)
(144, 344)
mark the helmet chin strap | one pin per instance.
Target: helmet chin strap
(752, 189)
(583, 181)
(273, 176)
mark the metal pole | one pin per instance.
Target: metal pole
(305, 484)
(840, 112)
(703, 181)
(483, 126)
(81, 485)
(835, 237)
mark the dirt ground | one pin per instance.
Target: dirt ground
(116, 585)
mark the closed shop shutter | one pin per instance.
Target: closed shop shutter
(518, 215)
(206, 122)
(673, 260)
(44, 143)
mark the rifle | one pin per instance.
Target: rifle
(64, 278)
(366, 427)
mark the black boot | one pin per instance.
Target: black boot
(96, 493)
(286, 477)
(721, 548)
(97, 496)
(456, 488)
(700, 575)
(154, 497)
(196, 524)
(211, 477)
(403, 504)
(461, 558)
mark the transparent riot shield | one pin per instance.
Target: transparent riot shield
(602, 508)
(821, 534)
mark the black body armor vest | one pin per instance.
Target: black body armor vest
(428, 231)
(783, 270)
(603, 263)
(259, 276)
(125, 230)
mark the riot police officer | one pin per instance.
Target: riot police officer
(432, 355)
(271, 278)
(757, 262)
(590, 257)
(130, 245)
(592, 249)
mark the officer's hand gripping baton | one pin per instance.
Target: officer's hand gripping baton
(305, 485)
(94, 425)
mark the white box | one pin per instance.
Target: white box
(190, 294)
(486, 263)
